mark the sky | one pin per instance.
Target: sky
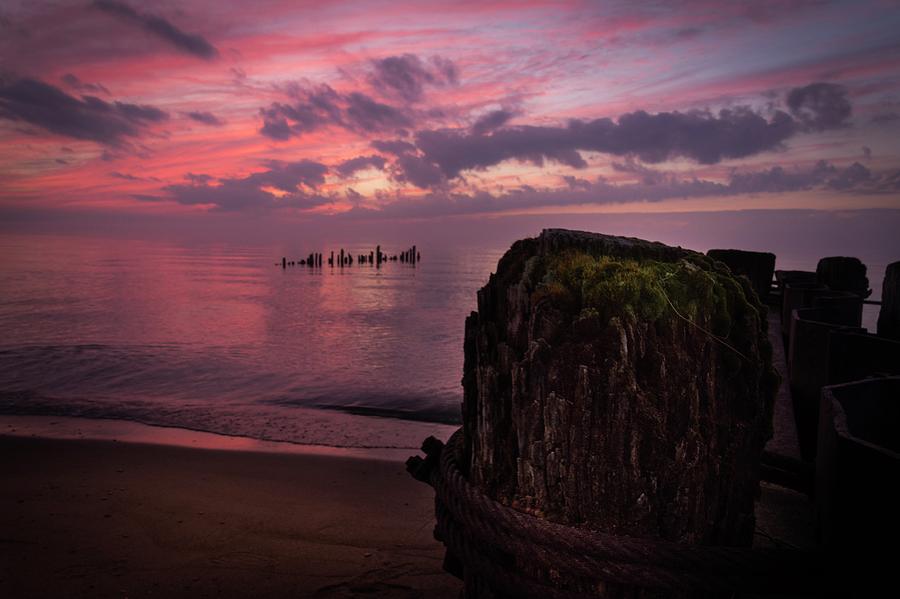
(337, 112)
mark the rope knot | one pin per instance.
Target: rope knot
(421, 469)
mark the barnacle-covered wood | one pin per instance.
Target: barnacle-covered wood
(619, 385)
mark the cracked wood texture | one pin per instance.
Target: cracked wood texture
(626, 424)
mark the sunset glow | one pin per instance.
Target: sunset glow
(395, 110)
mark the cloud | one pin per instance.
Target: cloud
(406, 76)
(90, 118)
(576, 182)
(369, 115)
(852, 177)
(130, 177)
(778, 179)
(640, 137)
(282, 185)
(490, 121)
(349, 167)
(188, 43)
(79, 85)
(321, 106)
(395, 147)
(417, 171)
(206, 118)
(700, 136)
(286, 176)
(820, 106)
(648, 175)
(885, 117)
(577, 192)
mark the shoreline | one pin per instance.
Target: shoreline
(129, 431)
(112, 517)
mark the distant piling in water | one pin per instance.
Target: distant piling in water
(346, 258)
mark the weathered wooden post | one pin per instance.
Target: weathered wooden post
(283, 262)
(889, 314)
(842, 273)
(331, 259)
(811, 330)
(857, 469)
(756, 266)
(621, 386)
(342, 257)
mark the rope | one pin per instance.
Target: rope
(528, 556)
(701, 329)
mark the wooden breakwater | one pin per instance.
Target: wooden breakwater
(344, 258)
(582, 458)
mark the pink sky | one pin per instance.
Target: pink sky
(398, 110)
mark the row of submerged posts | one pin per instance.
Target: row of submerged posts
(345, 258)
(618, 395)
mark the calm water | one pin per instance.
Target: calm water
(217, 338)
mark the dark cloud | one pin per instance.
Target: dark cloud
(201, 179)
(852, 177)
(406, 76)
(885, 117)
(369, 115)
(207, 118)
(647, 175)
(779, 179)
(395, 146)
(130, 177)
(417, 171)
(867, 152)
(579, 191)
(349, 167)
(90, 118)
(576, 182)
(820, 106)
(286, 176)
(185, 42)
(640, 137)
(78, 85)
(701, 136)
(297, 182)
(490, 121)
(322, 106)
(454, 151)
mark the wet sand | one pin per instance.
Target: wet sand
(99, 518)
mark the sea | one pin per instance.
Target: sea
(218, 337)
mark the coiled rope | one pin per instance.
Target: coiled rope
(525, 556)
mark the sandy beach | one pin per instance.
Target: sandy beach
(101, 518)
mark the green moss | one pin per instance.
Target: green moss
(691, 289)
